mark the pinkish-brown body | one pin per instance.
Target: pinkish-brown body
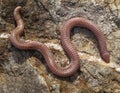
(65, 39)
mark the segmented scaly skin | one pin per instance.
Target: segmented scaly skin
(65, 39)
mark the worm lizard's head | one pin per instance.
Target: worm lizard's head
(106, 57)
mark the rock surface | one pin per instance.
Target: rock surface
(24, 71)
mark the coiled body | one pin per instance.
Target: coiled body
(65, 39)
